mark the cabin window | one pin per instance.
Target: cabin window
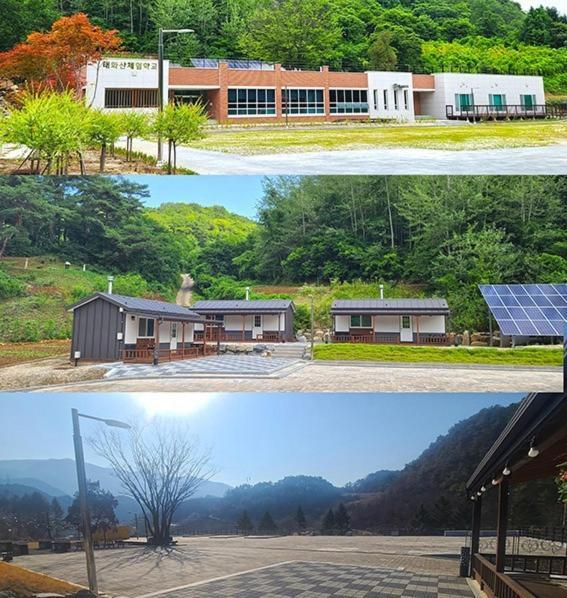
(219, 317)
(528, 101)
(464, 101)
(385, 99)
(303, 101)
(146, 328)
(349, 101)
(257, 321)
(406, 322)
(173, 330)
(131, 98)
(252, 102)
(497, 100)
(396, 100)
(406, 99)
(361, 321)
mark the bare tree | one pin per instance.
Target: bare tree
(160, 467)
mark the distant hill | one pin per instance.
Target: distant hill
(59, 476)
(375, 482)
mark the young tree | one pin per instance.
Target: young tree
(101, 506)
(56, 519)
(381, 55)
(267, 524)
(178, 125)
(328, 525)
(134, 124)
(244, 524)
(103, 132)
(55, 59)
(160, 467)
(342, 520)
(300, 520)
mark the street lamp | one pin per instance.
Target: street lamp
(82, 483)
(160, 73)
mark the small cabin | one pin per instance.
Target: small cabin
(108, 327)
(247, 321)
(391, 321)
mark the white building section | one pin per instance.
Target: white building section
(391, 96)
(120, 83)
(462, 91)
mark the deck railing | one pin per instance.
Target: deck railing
(147, 355)
(495, 584)
(488, 111)
(533, 563)
(388, 339)
(236, 336)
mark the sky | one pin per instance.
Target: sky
(254, 437)
(560, 5)
(239, 194)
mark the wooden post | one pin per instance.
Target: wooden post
(244, 326)
(475, 532)
(502, 525)
(156, 350)
(417, 326)
(183, 337)
(279, 327)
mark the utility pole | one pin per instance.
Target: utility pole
(312, 328)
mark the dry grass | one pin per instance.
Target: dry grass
(25, 582)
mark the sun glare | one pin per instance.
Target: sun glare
(174, 403)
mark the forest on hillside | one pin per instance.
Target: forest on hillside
(416, 35)
(421, 236)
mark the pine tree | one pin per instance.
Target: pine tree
(267, 525)
(342, 520)
(300, 520)
(328, 526)
(56, 518)
(245, 525)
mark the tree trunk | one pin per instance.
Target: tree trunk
(169, 157)
(102, 157)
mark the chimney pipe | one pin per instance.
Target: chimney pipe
(247, 293)
(110, 281)
(381, 291)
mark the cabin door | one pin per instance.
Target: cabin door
(173, 336)
(257, 329)
(406, 329)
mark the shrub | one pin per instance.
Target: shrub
(10, 286)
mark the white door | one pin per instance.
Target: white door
(406, 329)
(257, 327)
(173, 336)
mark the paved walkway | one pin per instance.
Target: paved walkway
(344, 377)
(550, 159)
(317, 580)
(217, 365)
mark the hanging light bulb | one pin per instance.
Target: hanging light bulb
(506, 471)
(483, 489)
(534, 451)
(473, 498)
(495, 482)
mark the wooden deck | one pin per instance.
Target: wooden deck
(389, 339)
(147, 355)
(509, 112)
(236, 336)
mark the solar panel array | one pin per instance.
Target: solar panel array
(528, 309)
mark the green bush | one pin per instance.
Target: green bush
(10, 286)
(302, 320)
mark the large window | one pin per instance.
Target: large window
(528, 101)
(303, 101)
(406, 99)
(349, 101)
(361, 321)
(463, 101)
(497, 100)
(131, 98)
(251, 102)
(145, 328)
(257, 321)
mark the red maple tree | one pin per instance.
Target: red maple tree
(56, 59)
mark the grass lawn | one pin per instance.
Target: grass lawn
(521, 356)
(13, 353)
(255, 141)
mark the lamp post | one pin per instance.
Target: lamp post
(161, 84)
(82, 483)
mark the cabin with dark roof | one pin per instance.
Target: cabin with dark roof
(241, 321)
(390, 321)
(108, 327)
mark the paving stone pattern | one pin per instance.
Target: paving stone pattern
(316, 580)
(215, 365)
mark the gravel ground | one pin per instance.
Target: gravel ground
(46, 372)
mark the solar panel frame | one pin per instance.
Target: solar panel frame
(528, 309)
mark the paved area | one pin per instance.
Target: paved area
(216, 365)
(344, 377)
(550, 159)
(137, 571)
(317, 580)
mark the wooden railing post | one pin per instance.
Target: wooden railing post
(475, 531)
(502, 525)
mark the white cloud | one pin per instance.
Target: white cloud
(560, 5)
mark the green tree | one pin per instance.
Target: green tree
(381, 55)
(180, 125)
(101, 506)
(328, 525)
(267, 525)
(342, 520)
(300, 520)
(134, 124)
(277, 33)
(104, 131)
(244, 524)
